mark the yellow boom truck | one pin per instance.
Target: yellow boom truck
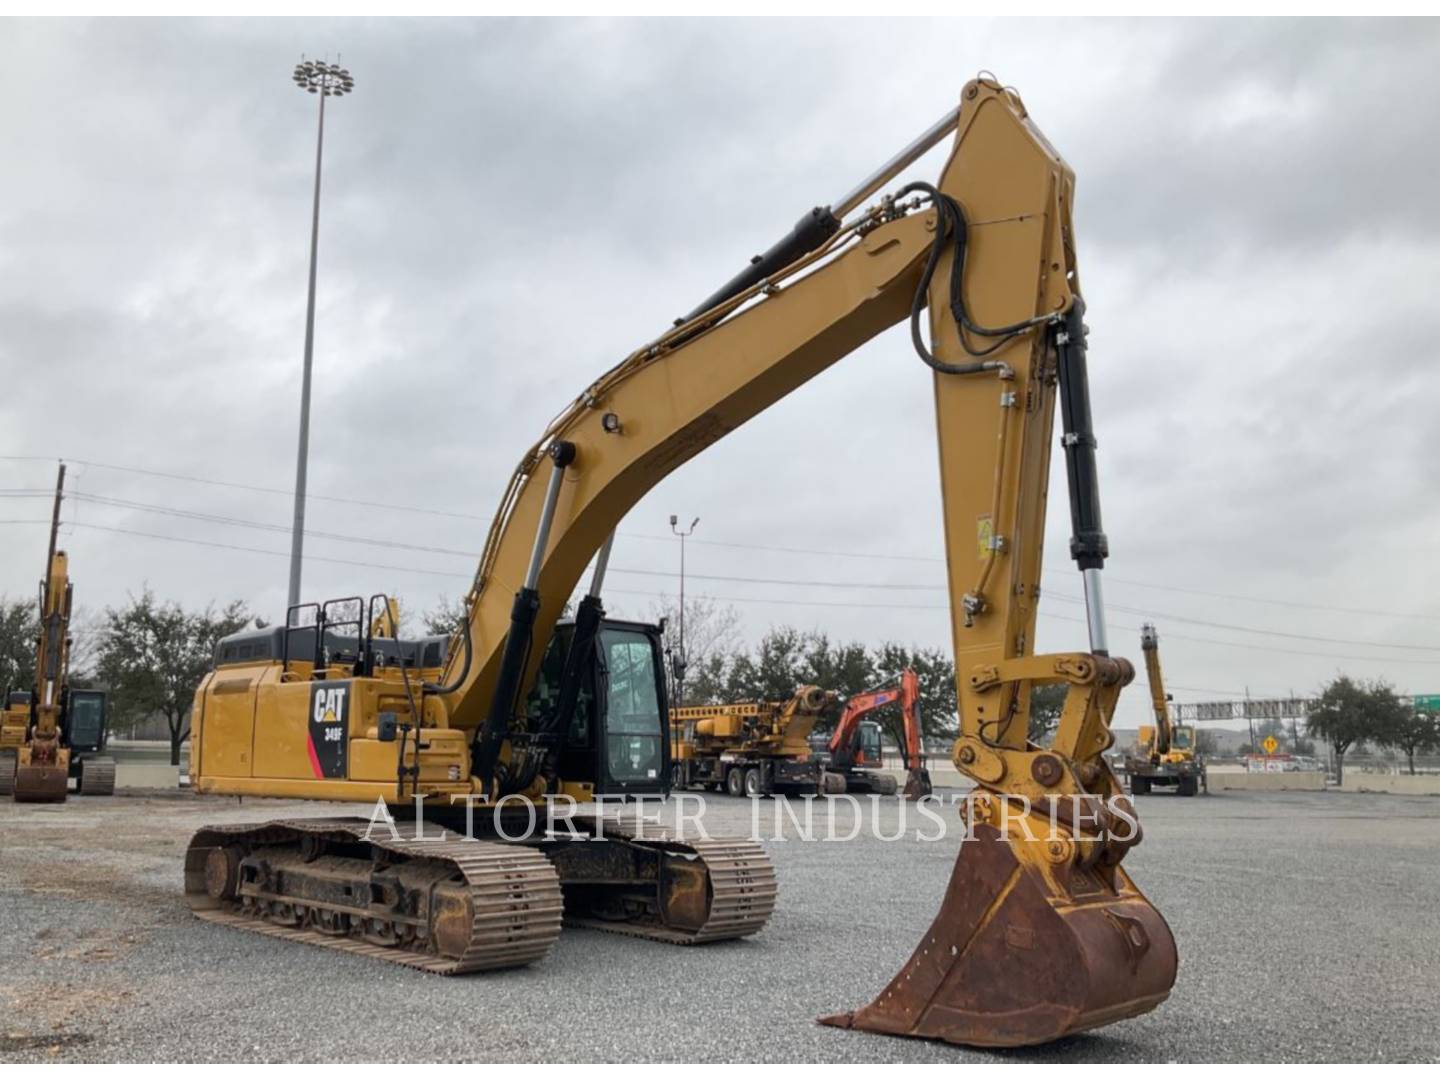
(1164, 754)
(53, 732)
(1041, 932)
(751, 747)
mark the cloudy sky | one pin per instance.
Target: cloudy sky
(510, 207)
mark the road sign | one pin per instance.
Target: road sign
(1427, 702)
(1270, 744)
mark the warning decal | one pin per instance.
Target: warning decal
(329, 721)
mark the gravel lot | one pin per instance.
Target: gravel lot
(1308, 927)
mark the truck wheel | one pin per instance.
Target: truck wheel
(735, 781)
(752, 783)
(1186, 786)
(677, 776)
(7, 771)
(1140, 785)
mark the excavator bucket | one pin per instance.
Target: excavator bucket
(1026, 949)
(41, 783)
(917, 784)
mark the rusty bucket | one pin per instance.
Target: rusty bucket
(41, 783)
(1029, 945)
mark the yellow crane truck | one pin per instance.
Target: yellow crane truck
(1041, 933)
(1164, 754)
(752, 748)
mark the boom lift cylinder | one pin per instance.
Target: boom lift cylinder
(522, 628)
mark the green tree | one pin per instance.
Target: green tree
(939, 710)
(1349, 711)
(1046, 703)
(152, 656)
(19, 627)
(1415, 733)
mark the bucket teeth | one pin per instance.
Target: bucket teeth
(1022, 952)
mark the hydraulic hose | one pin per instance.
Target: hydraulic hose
(952, 226)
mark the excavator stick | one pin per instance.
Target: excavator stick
(1021, 953)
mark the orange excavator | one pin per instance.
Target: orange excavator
(855, 745)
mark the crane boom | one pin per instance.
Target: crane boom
(1159, 700)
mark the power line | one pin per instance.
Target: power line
(745, 580)
(825, 552)
(780, 602)
(717, 543)
(245, 523)
(248, 487)
(262, 551)
(1170, 617)
(739, 579)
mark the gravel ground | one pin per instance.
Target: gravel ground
(1308, 927)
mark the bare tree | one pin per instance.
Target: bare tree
(712, 636)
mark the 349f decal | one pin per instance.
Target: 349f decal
(329, 724)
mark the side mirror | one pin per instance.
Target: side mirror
(386, 728)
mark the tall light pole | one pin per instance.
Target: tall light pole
(678, 664)
(323, 80)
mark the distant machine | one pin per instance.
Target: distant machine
(1164, 754)
(53, 732)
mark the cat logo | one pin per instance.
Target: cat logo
(329, 736)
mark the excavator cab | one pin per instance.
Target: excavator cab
(868, 748)
(87, 721)
(617, 737)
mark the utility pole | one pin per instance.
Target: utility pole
(323, 80)
(679, 662)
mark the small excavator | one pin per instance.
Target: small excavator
(1165, 754)
(1041, 932)
(855, 750)
(54, 731)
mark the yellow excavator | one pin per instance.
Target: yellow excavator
(1041, 932)
(1165, 753)
(53, 732)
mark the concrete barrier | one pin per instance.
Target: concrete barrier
(1266, 781)
(146, 774)
(1391, 783)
